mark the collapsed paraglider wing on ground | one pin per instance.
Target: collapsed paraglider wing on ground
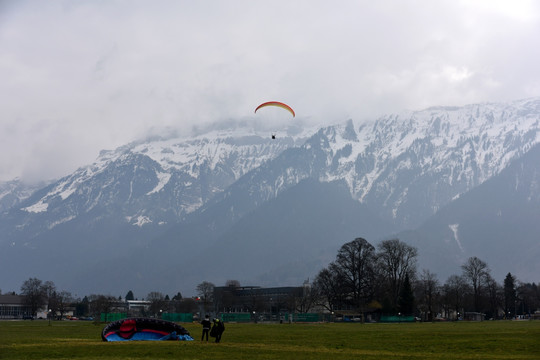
(137, 329)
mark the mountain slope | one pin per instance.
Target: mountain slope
(405, 167)
(122, 201)
(497, 222)
(14, 192)
(171, 199)
(227, 222)
(307, 222)
(282, 242)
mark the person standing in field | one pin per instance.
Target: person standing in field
(206, 324)
(217, 329)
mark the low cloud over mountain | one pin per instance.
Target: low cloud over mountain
(168, 214)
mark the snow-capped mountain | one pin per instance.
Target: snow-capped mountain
(401, 168)
(407, 166)
(149, 182)
(496, 221)
(14, 192)
(164, 201)
(127, 197)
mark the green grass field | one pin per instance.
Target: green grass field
(461, 340)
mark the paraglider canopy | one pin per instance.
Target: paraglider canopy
(133, 329)
(278, 104)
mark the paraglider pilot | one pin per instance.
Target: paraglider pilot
(217, 329)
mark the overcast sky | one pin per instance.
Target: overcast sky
(80, 76)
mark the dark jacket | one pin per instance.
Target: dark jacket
(206, 324)
(217, 329)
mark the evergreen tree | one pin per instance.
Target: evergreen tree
(81, 307)
(406, 297)
(129, 295)
(509, 295)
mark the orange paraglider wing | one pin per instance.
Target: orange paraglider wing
(278, 104)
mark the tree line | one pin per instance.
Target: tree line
(386, 280)
(38, 294)
(362, 278)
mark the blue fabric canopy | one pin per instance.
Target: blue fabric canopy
(141, 329)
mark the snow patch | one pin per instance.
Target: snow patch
(7, 192)
(67, 193)
(141, 220)
(61, 221)
(37, 207)
(163, 179)
(455, 228)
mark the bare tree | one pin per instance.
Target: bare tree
(63, 300)
(495, 294)
(427, 291)
(185, 305)
(50, 290)
(355, 263)
(205, 290)
(304, 299)
(527, 297)
(455, 290)
(34, 294)
(100, 304)
(396, 259)
(476, 272)
(157, 302)
(225, 298)
(328, 288)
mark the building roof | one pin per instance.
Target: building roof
(11, 299)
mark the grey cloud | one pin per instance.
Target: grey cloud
(105, 73)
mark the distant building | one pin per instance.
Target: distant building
(13, 307)
(136, 307)
(231, 299)
(474, 316)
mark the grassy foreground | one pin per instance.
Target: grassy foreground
(461, 340)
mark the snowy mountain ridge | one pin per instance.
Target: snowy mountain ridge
(156, 181)
(459, 147)
(462, 147)
(15, 191)
(187, 195)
